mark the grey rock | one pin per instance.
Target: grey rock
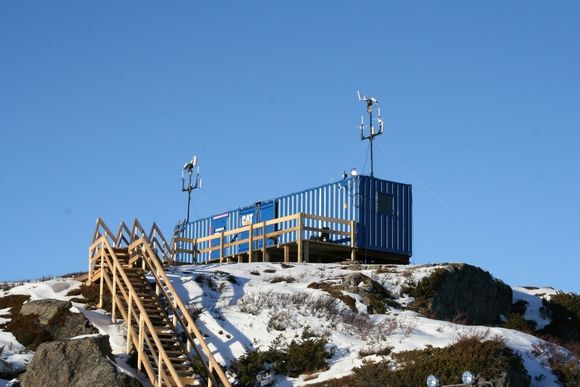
(359, 283)
(75, 363)
(373, 294)
(60, 322)
(470, 294)
(45, 309)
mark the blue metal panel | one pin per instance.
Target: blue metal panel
(246, 216)
(267, 211)
(377, 231)
(219, 223)
(331, 200)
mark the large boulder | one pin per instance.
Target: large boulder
(75, 363)
(463, 293)
(45, 310)
(55, 317)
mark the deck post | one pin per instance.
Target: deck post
(352, 240)
(286, 253)
(129, 326)
(101, 289)
(251, 244)
(113, 306)
(140, 341)
(221, 247)
(299, 237)
(193, 248)
(264, 240)
(306, 251)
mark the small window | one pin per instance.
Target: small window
(385, 204)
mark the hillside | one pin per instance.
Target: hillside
(339, 317)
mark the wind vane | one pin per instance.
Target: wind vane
(370, 102)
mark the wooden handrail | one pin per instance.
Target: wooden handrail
(123, 234)
(146, 326)
(257, 232)
(179, 309)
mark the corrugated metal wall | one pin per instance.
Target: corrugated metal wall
(389, 233)
(354, 198)
(335, 200)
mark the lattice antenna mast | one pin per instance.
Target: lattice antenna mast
(190, 168)
(370, 102)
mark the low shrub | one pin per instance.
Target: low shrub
(279, 320)
(564, 311)
(489, 359)
(305, 356)
(380, 351)
(287, 279)
(250, 367)
(194, 311)
(516, 321)
(205, 280)
(294, 359)
(224, 276)
(519, 307)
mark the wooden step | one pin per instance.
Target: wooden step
(191, 381)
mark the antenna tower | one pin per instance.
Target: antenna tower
(370, 102)
(190, 168)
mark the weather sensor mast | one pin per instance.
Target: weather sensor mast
(190, 168)
(370, 102)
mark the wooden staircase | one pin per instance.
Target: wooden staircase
(153, 312)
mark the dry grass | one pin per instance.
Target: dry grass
(287, 279)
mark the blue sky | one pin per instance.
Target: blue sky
(101, 104)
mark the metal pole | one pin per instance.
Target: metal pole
(188, 203)
(371, 137)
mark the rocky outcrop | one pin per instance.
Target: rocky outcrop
(75, 363)
(55, 317)
(463, 293)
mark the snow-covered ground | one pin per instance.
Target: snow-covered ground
(232, 330)
(247, 306)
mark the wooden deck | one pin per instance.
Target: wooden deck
(304, 238)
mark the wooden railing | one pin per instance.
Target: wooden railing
(178, 311)
(104, 266)
(132, 310)
(297, 228)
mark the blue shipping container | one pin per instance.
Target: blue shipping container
(382, 210)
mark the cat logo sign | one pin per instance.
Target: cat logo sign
(247, 219)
